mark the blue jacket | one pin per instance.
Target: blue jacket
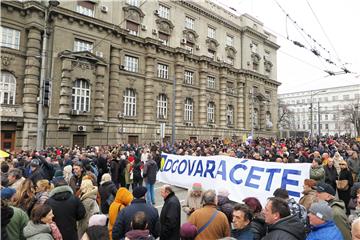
(243, 234)
(328, 230)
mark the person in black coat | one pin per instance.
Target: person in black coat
(37, 172)
(67, 209)
(331, 174)
(170, 216)
(107, 192)
(344, 194)
(137, 171)
(123, 221)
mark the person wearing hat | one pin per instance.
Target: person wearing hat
(322, 224)
(37, 172)
(193, 200)
(317, 171)
(123, 221)
(19, 219)
(326, 193)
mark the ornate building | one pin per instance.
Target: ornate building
(116, 70)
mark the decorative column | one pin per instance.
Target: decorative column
(65, 89)
(179, 75)
(203, 102)
(241, 105)
(32, 73)
(99, 93)
(223, 113)
(114, 88)
(149, 105)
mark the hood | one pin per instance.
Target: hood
(338, 203)
(32, 229)
(290, 224)
(138, 234)
(92, 193)
(123, 196)
(61, 191)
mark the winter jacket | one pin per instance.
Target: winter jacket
(331, 176)
(218, 228)
(308, 198)
(139, 235)
(170, 218)
(354, 165)
(298, 210)
(150, 171)
(192, 203)
(123, 221)
(6, 214)
(317, 173)
(37, 232)
(226, 206)
(128, 171)
(105, 191)
(37, 175)
(137, 170)
(122, 199)
(327, 230)
(339, 216)
(75, 183)
(114, 170)
(16, 225)
(88, 199)
(67, 210)
(289, 228)
(243, 234)
(258, 227)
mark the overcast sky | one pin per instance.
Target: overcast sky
(299, 69)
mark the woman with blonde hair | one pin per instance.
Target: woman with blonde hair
(344, 184)
(25, 196)
(337, 159)
(88, 194)
(67, 173)
(43, 187)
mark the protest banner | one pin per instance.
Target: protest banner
(242, 177)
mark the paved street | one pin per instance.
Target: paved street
(179, 192)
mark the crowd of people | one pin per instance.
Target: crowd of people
(107, 192)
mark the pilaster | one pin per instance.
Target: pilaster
(223, 80)
(99, 93)
(114, 88)
(203, 102)
(149, 89)
(65, 90)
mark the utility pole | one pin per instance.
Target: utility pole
(319, 119)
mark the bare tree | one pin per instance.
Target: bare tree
(352, 116)
(286, 116)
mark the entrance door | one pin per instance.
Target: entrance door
(79, 140)
(133, 139)
(8, 140)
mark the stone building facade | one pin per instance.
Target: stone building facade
(118, 69)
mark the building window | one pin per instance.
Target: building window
(81, 45)
(81, 96)
(230, 115)
(211, 32)
(254, 47)
(211, 112)
(211, 82)
(267, 57)
(188, 77)
(164, 12)
(230, 88)
(135, 3)
(315, 126)
(346, 97)
(188, 110)
(326, 117)
(327, 126)
(334, 98)
(130, 102)
(131, 64)
(10, 38)
(163, 71)
(189, 23)
(86, 8)
(211, 54)
(229, 41)
(190, 48)
(7, 88)
(164, 38)
(161, 112)
(133, 28)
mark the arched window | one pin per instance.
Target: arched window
(7, 88)
(230, 114)
(269, 123)
(81, 95)
(162, 106)
(188, 110)
(130, 102)
(256, 118)
(211, 112)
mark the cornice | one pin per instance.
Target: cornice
(253, 32)
(271, 44)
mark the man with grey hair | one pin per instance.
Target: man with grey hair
(211, 223)
(15, 178)
(170, 216)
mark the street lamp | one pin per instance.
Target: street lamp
(312, 94)
(40, 118)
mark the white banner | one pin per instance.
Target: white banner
(241, 177)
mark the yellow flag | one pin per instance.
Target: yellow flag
(244, 138)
